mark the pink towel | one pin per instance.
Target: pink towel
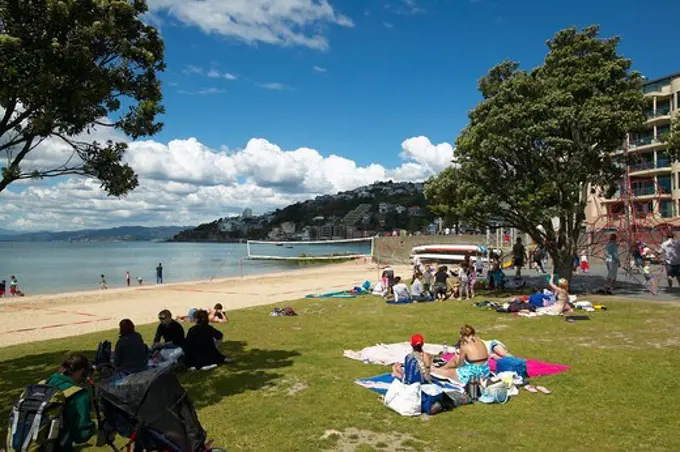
(537, 368)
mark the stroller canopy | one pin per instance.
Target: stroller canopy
(156, 399)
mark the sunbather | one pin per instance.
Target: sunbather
(472, 359)
(561, 304)
(217, 315)
(416, 367)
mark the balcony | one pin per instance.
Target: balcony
(660, 113)
(649, 166)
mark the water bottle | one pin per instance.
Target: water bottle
(472, 389)
(446, 348)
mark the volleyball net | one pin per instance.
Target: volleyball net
(311, 249)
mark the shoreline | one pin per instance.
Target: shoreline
(153, 286)
(50, 316)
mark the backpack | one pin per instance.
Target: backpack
(37, 418)
(103, 355)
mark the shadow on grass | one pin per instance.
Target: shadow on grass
(16, 374)
(251, 370)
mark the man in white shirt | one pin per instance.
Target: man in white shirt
(401, 292)
(418, 292)
(671, 258)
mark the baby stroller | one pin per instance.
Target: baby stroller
(153, 410)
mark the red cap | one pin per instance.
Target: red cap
(417, 339)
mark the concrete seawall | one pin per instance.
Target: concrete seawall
(396, 250)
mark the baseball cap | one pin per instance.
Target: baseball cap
(417, 339)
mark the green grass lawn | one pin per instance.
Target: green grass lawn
(291, 387)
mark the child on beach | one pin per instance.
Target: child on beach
(3, 287)
(127, 278)
(13, 285)
(102, 283)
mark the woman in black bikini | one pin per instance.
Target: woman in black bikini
(218, 315)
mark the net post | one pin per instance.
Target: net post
(248, 248)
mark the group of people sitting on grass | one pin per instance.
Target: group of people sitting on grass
(131, 355)
(200, 346)
(428, 284)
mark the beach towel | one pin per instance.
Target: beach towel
(388, 354)
(381, 383)
(537, 368)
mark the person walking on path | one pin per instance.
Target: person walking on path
(519, 255)
(159, 274)
(670, 249)
(612, 260)
(127, 278)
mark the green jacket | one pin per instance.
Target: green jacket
(78, 426)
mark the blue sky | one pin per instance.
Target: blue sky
(397, 73)
(270, 102)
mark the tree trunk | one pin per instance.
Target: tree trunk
(563, 262)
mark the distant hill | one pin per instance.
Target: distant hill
(8, 232)
(362, 212)
(121, 233)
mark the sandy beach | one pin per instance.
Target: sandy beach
(42, 317)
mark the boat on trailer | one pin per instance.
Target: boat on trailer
(450, 253)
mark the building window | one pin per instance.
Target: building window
(664, 183)
(666, 208)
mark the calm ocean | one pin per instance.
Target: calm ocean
(54, 267)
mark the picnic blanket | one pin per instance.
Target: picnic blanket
(381, 383)
(537, 368)
(388, 354)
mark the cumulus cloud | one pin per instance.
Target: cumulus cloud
(187, 182)
(278, 22)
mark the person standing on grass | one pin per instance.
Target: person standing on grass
(127, 278)
(159, 274)
(670, 249)
(519, 254)
(612, 260)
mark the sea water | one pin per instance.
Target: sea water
(55, 267)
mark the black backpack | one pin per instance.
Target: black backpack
(103, 355)
(38, 417)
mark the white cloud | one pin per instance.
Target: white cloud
(388, 25)
(278, 22)
(187, 182)
(191, 69)
(202, 91)
(274, 86)
(214, 73)
(319, 69)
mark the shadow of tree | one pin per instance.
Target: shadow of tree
(250, 371)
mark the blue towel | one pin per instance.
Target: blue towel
(381, 383)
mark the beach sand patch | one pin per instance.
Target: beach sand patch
(354, 439)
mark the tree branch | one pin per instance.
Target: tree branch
(9, 111)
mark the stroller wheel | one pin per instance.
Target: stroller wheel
(216, 449)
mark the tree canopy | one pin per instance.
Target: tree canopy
(68, 67)
(541, 139)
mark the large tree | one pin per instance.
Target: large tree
(68, 67)
(540, 140)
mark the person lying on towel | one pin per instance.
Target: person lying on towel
(472, 359)
(416, 367)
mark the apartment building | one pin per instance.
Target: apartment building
(654, 179)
